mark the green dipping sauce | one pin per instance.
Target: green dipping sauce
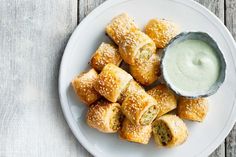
(191, 66)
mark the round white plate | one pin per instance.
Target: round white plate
(204, 137)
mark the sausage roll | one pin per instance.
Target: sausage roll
(104, 116)
(135, 133)
(140, 108)
(106, 53)
(169, 131)
(146, 71)
(164, 97)
(136, 45)
(83, 86)
(112, 81)
(161, 31)
(193, 109)
(120, 26)
(132, 88)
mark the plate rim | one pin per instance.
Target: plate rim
(64, 103)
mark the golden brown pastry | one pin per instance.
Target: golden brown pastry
(135, 133)
(104, 116)
(106, 53)
(140, 108)
(120, 26)
(136, 45)
(83, 86)
(161, 31)
(169, 131)
(193, 109)
(164, 97)
(132, 88)
(146, 71)
(112, 81)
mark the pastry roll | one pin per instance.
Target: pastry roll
(164, 97)
(146, 71)
(83, 87)
(193, 109)
(112, 81)
(161, 31)
(120, 26)
(104, 116)
(132, 88)
(136, 45)
(169, 131)
(140, 108)
(135, 133)
(106, 53)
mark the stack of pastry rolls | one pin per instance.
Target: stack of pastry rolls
(136, 49)
(109, 91)
(138, 107)
(111, 86)
(117, 103)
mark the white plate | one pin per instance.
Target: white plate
(204, 137)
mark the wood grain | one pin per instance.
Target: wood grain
(230, 21)
(215, 6)
(86, 6)
(33, 34)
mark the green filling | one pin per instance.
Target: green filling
(149, 115)
(115, 118)
(162, 132)
(145, 52)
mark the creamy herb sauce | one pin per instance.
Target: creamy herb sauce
(191, 66)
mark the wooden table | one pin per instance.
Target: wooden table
(33, 35)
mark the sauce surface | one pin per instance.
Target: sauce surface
(191, 66)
